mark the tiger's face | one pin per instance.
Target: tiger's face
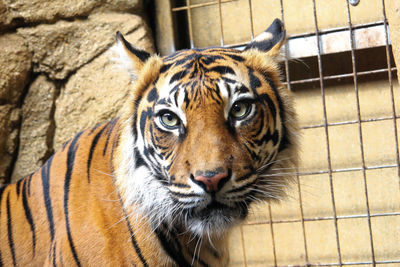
(210, 131)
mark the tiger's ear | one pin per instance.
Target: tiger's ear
(131, 57)
(270, 40)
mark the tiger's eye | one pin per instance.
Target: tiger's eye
(239, 110)
(169, 120)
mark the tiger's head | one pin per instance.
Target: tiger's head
(206, 133)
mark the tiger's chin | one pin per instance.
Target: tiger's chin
(214, 219)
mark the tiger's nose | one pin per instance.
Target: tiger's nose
(212, 181)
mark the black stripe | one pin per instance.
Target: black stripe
(18, 187)
(180, 185)
(186, 99)
(244, 177)
(229, 89)
(271, 105)
(208, 60)
(143, 118)
(176, 94)
(242, 89)
(235, 57)
(95, 128)
(139, 161)
(28, 215)
(133, 239)
(109, 132)
(175, 254)
(114, 145)
(45, 172)
(285, 142)
(54, 255)
(152, 95)
(135, 118)
(254, 81)
(177, 76)
(187, 59)
(165, 68)
(29, 183)
(66, 144)
(261, 127)
(1, 196)
(92, 148)
(227, 80)
(222, 70)
(9, 229)
(252, 153)
(163, 101)
(70, 165)
(275, 137)
(240, 189)
(265, 138)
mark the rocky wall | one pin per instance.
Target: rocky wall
(56, 73)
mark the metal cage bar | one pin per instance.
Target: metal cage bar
(251, 20)
(339, 217)
(355, 80)
(189, 18)
(221, 25)
(272, 235)
(192, 6)
(243, 247)
(328, 154)
(390, 77)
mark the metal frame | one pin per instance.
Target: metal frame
(318, 34)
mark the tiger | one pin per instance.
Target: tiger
(204, 135)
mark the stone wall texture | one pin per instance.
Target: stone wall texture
(57, 75)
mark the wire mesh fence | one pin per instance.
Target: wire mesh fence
(345, 208)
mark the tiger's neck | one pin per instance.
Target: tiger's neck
(187, 250)
(178, 247)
